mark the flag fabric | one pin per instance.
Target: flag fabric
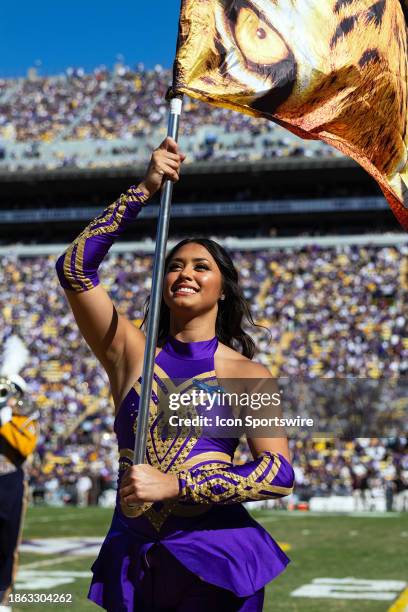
(330, 70)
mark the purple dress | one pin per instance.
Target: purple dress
(222, 544)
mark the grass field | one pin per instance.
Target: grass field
(320, 546)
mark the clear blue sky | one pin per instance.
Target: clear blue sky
(85, 33)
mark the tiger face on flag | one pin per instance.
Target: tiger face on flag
(334, 70)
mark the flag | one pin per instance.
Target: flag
(330, 70)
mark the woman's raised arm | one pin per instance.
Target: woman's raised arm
(109, 334)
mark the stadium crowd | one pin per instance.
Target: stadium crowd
(332, 313)
(128, 106)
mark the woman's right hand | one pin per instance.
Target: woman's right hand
(165, 163)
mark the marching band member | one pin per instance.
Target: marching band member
(18, 437)
(180, 538)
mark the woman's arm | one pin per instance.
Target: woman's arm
(269, 476)
(105, 331)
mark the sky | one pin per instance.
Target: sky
(54, 35)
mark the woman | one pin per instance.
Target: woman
(180, 539)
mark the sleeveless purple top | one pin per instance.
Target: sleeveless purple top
(222, 544)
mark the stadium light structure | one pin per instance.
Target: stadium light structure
(176, 102)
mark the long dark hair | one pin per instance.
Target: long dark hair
(232, 311)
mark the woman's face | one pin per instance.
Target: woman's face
(193, 268)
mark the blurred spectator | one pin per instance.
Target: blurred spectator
(83, 487)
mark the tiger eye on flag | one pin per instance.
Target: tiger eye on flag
(330, 70)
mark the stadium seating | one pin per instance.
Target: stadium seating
(107, 119)
(337, 312)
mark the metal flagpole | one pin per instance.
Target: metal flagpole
(156, 293)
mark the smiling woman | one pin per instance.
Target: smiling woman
(177, 263)
(180, 538)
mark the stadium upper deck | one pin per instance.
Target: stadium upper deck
(73, 142)
(106, 119)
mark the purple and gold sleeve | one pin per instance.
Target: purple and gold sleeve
(268, 477)
(77, 267)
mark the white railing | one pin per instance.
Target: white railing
(238, 244)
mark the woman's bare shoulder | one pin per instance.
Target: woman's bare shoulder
(240, 364)
(226, 352)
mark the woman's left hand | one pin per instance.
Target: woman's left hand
(144, 483)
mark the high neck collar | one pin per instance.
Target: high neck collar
(190, 350)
